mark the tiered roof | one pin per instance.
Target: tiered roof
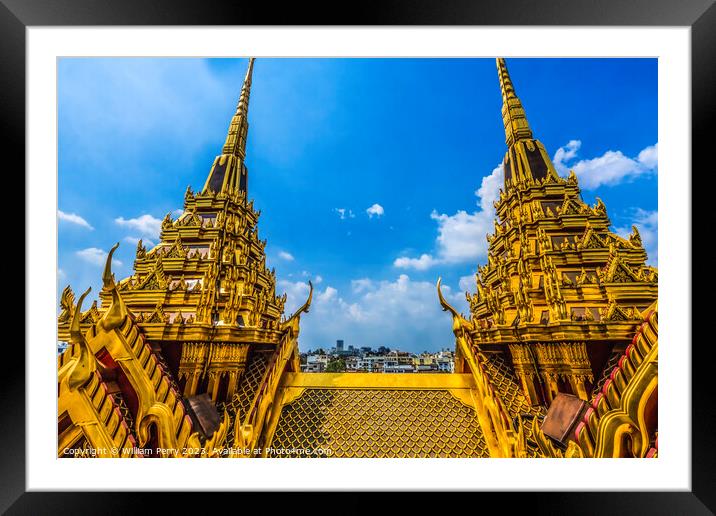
(552, 260)
(207, 277)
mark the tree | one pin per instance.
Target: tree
(337, 365)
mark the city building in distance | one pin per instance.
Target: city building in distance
(381, 360)
(193, 355)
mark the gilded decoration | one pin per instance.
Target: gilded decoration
(562, 306)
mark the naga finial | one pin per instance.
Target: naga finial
(458, 320)
(117, 311)
(443, 302)
(304, 307)
(75, 332)
(84, 363)
(635, 237)
(107, 276)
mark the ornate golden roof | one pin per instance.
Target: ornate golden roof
(375, 415)
(560, 295)
(207, 278)
(239, 406)
(506, 384)
(622, 419)
(560, 292)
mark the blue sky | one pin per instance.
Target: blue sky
(374, 176)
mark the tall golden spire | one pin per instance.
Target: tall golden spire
(236, 139)
(513, 114)
(526, 159)
(229, 171)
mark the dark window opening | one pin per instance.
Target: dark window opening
(244, 178)
(217, 177)
(537, 163)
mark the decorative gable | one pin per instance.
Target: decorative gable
(155, 280)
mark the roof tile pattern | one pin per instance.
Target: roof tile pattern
(379, 423)
(506, 384)
(246, 392)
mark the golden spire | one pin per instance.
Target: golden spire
(513, 114)
(229, 173)
(236, 139)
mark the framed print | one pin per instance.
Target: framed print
(427, 254)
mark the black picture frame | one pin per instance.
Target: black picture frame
(699, 15)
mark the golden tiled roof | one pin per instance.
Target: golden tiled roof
(514, 400)
(505, 382)
(377, 415)
(612, 362)
(249, 383)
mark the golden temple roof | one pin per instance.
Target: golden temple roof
(561, 301)
(376, 415)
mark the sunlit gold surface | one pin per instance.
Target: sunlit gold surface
(561, 303)
(559, 296)
(376, 415)
(184, 323)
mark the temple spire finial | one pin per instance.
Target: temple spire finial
(229, 172)
(513, 114)
(236, 138)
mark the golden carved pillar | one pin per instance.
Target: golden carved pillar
(192, 383)
(213, 386)
(231, 388)
(228, 361)
(576, 359)
(578, 387)
(529, 387)
(525, 370)
(551, 384)
(187, 377)
(191, 366)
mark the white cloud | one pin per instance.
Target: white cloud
(375, 313)
(135, 240)
(122, 104)
(611, 168)
(461, 236)
(647, 222)
(467, 283)
(489, 190)
(73, 218)
(178, 212)
(316, 280)
(361, 285)
(375, 210)
(344, 213)
(649, 157)
(145, 224)
(95, 256)
(327, 295)
(286, 256)
(566, 153)
(423, 263)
